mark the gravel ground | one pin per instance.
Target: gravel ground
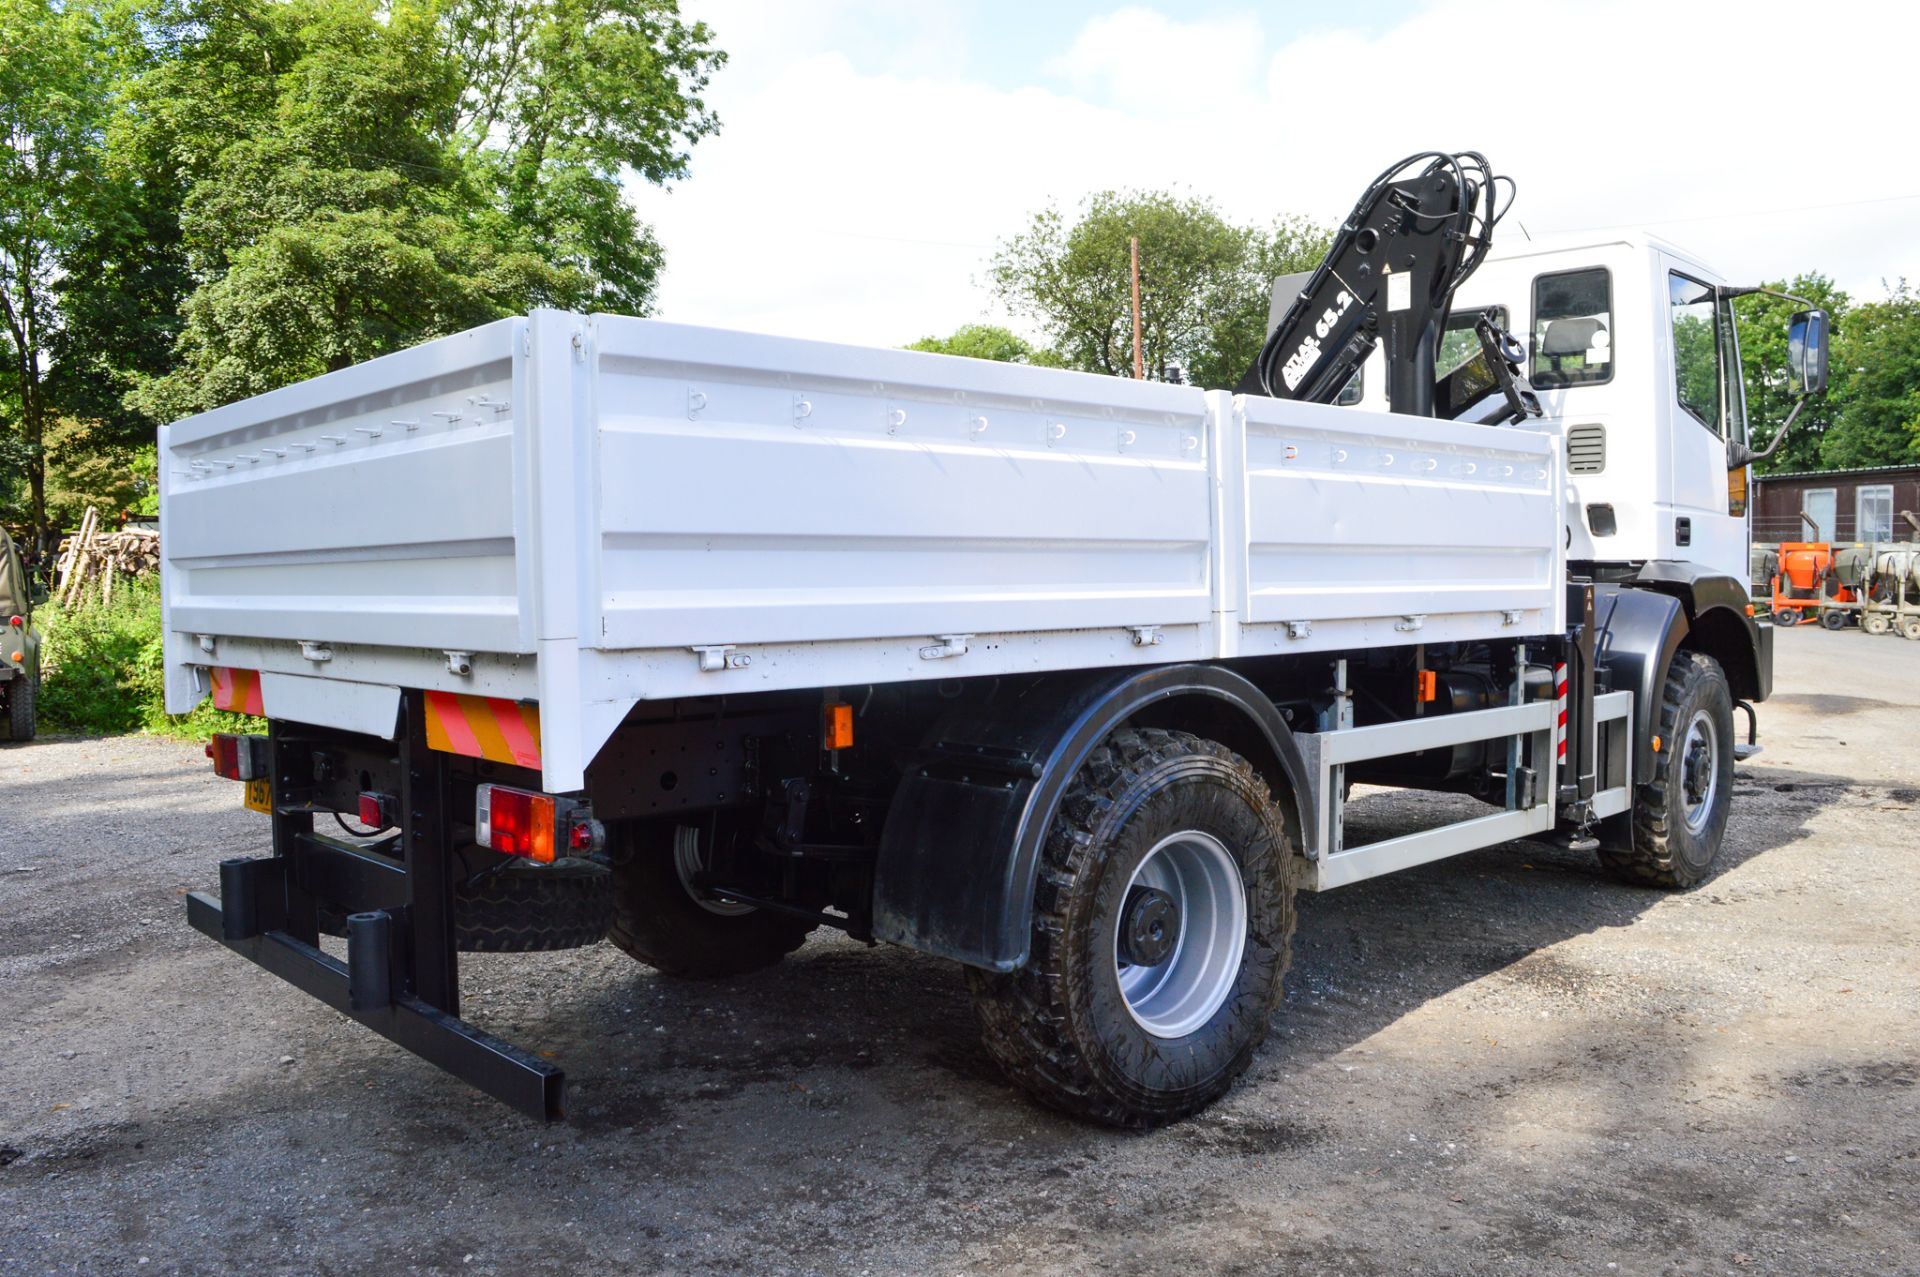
(1503, 1063)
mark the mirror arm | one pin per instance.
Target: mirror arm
(1739, 454)
(1729, 290)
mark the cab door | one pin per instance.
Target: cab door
(1705, 406)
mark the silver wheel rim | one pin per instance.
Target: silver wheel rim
(1700, 770)
(1180, 993)
(690, 862)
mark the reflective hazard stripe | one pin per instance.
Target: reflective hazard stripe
(237, 690)
(1560, 700)
(500, 731)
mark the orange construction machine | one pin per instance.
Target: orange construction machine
(1804, 581)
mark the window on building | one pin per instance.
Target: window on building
(1572, 329)
(1873, 513)
(1696, 349)
(1819, 505)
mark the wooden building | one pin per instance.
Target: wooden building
(1849, 505)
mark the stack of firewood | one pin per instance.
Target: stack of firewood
(93, 557)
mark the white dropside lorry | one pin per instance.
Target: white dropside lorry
(699, 640)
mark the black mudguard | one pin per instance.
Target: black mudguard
(1637, 633)
(961, 848)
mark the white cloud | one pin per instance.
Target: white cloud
(859, 204)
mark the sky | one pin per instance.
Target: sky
(873, 152)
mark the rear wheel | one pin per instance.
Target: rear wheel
(1834, 619)
(663, 918)
(523, 907)
(1786, 616)
(1910, 627)
(1876, 623)
(22, 691)
(1680, 814)
(1162, 926)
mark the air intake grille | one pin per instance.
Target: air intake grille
(1586, 449)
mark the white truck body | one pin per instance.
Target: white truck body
(591, 511)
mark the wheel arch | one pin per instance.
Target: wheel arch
(961, 847)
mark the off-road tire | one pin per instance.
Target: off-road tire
(1876, 623)
(1786, 616)
(1059, 1026)
(1664, 851)
(1909, 627)
(528, 908)
(1833, 619)
(22, 691)
(657, 920)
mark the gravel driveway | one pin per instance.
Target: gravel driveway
(1502, 1063)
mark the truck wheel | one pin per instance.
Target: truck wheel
(528, 908)
(662, 919)
(1833, 619)
(1162, 925)
(1680, 814)
(1876, 623)
(22, 692)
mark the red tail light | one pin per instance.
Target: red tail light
(515, 822)
(238, 757)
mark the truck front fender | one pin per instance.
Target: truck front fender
(961, 848)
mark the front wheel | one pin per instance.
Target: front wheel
(22, 692)
(1680, 814)
(1786, 616)
(1163, 920)
(1833, 619)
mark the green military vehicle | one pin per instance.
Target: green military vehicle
(19, 644)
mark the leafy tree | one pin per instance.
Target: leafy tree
(1204, 282)
(55, 77)
(1762, 321)
(359, 176)
(988, 341)
(1877, 396)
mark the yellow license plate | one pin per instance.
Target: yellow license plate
(260, 795)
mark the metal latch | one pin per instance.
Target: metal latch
(1408, 624)
(1145, 635)
(315, 651)
(1299, 629)
(460, 663)
(721, 656)
(949, 645)
(1510, 617)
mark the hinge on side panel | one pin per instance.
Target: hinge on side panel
(949, 645)
(720, 656)
(460, 664)
(1299, 629)
(207, 642)
(315, 651)
(1145, 635)
(1510, 617)
(1408, 624)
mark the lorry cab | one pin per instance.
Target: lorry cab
(1632, 350)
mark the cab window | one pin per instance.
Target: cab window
(1572, 329)
(1696, 349)
(1458, 342)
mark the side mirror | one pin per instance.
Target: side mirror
(1807, 352)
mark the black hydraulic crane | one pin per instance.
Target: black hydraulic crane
(1418, 232)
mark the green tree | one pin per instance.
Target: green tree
(1204, 282)
(359, 176)
(988, 341)
(55, 76)
(1877, 394)
(1762, 321)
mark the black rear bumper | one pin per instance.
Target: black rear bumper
(511, 1075)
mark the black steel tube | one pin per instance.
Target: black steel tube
(369, 960)
(239, 904)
